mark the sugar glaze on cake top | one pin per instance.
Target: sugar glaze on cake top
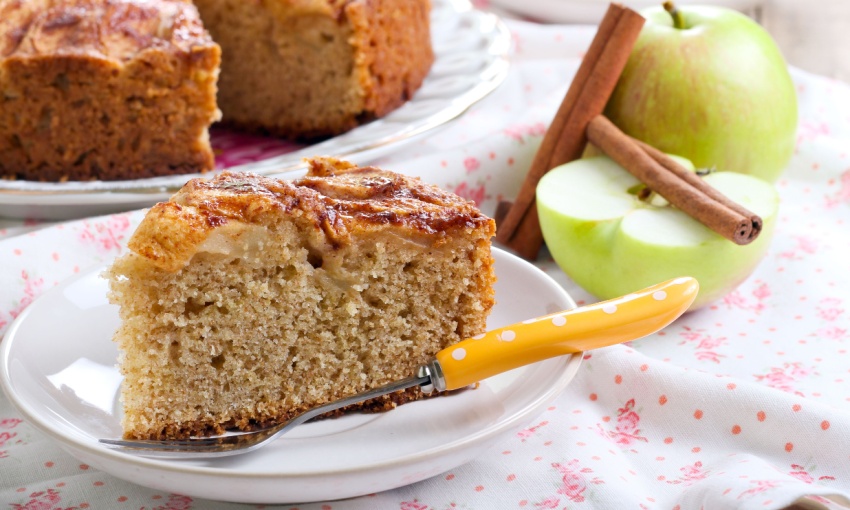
(111, 29)
(341, 202)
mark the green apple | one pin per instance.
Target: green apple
(713, 88)
(612, 243)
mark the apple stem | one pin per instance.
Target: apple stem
(676, 14)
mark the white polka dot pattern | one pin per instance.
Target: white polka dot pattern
(459, 353)
(616, 321)
(507, 336)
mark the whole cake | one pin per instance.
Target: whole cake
(104, 89)
(313, 68)
(245, 300)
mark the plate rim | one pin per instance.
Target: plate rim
(569, 368)
(291, 165)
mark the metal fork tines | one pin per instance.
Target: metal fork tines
(243, 442)
(198, 447)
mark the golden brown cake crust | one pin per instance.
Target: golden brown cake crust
(108, 29)
(394, 51)
(104, 89)
(344, 61)
(340, 201)
(251, 422)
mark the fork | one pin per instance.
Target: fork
(590, 327)
(244, 442)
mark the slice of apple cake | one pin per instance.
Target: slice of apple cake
(105, 89)
(245, 300)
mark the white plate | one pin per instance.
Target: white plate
(57, 365)
(471, 49)
(592, 11)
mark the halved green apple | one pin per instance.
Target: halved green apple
(611, 243)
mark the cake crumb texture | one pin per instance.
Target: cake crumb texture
(246, 300)
(105, 89)
(314, 68)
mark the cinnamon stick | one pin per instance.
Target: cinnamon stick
(502, 209)
(694, 180)
(566, 137)
(675, 183)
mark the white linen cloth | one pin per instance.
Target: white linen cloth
(743, 404)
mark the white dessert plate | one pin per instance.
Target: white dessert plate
(57, 365)
(471, 49)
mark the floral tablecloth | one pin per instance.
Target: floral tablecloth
(743, 404)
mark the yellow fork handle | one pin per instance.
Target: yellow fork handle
(599, 325)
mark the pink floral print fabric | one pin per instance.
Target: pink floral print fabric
(743, 404)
